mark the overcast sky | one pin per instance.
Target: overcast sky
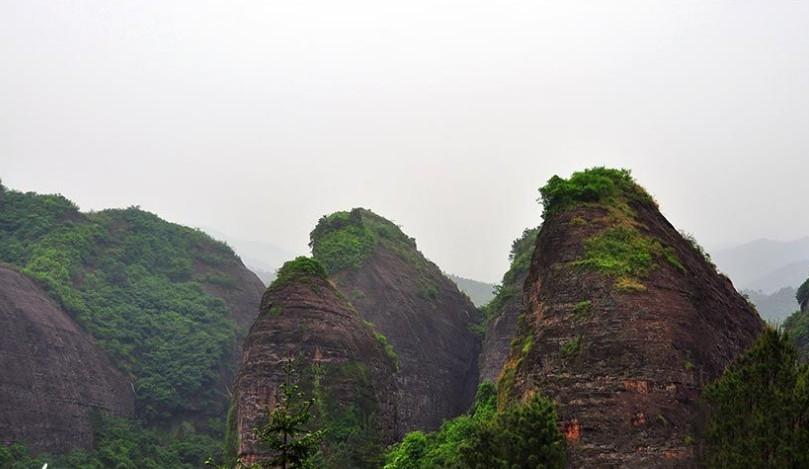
(256, 118)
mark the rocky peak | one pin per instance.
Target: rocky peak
(625, 321)
(430, 324)
(302, 315)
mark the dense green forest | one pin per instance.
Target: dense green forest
(759, 409)
(134, 282)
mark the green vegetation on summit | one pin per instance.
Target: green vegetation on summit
(344, 240)
(597, 185)
(298, 269)
(621, 249)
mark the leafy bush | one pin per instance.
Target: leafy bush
(341, 241)
(344, 240)
(759, 409)
(623, 251)
(443, 449)
(388, 348)
(571, 347)
(297, 269)
(524, 435)
(597, 184)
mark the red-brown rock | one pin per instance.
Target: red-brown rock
(306, 317)
(54, 374)
(624, 358)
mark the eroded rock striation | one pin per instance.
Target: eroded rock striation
(54, 376)
(304, 316)
(626, 321)
(505, 308)
(430, 324)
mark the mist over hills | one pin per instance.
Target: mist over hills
(481, 293)
(764, 264)
(262, 257)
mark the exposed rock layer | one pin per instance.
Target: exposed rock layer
(311, 319)
(54, 375)
(625, 365)
(505, 309)
(427, 320)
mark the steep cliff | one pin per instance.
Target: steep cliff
(506, 307)
(626, 321)
(166, 302)
(303, 315)
(430, 324)
(54, 376)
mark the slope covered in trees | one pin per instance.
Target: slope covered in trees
(759, 409)
(165, 302)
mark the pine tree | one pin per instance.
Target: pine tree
(289, 432)
(759, 409)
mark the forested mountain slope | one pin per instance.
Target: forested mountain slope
(165, 302)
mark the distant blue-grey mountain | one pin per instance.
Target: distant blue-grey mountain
(765, 265)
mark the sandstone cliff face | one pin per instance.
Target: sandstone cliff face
(505, 309)
(424, 316)
(626, 321)
(305, 316)
(54, 375)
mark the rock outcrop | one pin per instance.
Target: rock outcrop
(430, 324)
(505, 309)
(54, 376)
(626, 321)
(305, 317)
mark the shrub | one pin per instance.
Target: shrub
(571, 347)
(343, 240)
(301, 268)
(597, 184)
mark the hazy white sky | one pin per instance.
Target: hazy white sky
(256, 118)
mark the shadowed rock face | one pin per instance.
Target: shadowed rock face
(424, 316)
(308, 317)
(506, 308)
(54, 375)
(624, 358)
